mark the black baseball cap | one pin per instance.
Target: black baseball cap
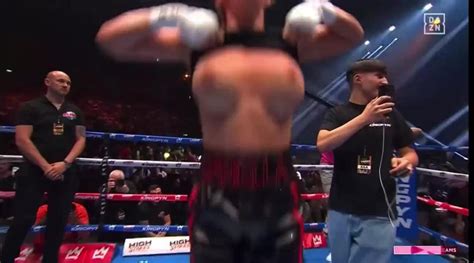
(366, 65)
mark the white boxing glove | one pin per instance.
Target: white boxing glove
(198, 26)
(304, 17)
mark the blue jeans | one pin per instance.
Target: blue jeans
(360, 239)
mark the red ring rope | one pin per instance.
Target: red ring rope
(184, 198)
(452, 208)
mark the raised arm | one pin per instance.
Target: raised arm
(167, 32)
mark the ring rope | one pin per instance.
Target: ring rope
(147, 197)
(443, 174)
(196, 141)
(444, 238)
(197, 165)
(118, 197)
(172, 229)
(184, 198)
(152, 138)
(447, 148)
(452, 208)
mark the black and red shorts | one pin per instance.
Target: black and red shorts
(245, 209)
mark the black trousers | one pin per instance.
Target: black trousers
(31, 185)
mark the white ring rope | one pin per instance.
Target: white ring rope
(196, 165)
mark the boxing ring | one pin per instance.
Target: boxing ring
(407, 228)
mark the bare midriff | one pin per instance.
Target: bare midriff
(246, 99)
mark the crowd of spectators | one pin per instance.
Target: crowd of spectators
(119, 115)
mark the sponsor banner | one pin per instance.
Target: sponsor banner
(406, 205)
(72, 253)
(156, 246)
(28, 255)
(314, 240)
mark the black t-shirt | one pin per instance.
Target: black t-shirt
(48, 121)
(154, 212)
(362, 194)
(121, 213)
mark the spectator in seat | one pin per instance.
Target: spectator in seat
(190, 156)
(119, 213)
(155, 213)
(77, 216)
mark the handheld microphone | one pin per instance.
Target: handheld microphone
(387, 90)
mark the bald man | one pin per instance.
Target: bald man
(50, 134)
(119, 213)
